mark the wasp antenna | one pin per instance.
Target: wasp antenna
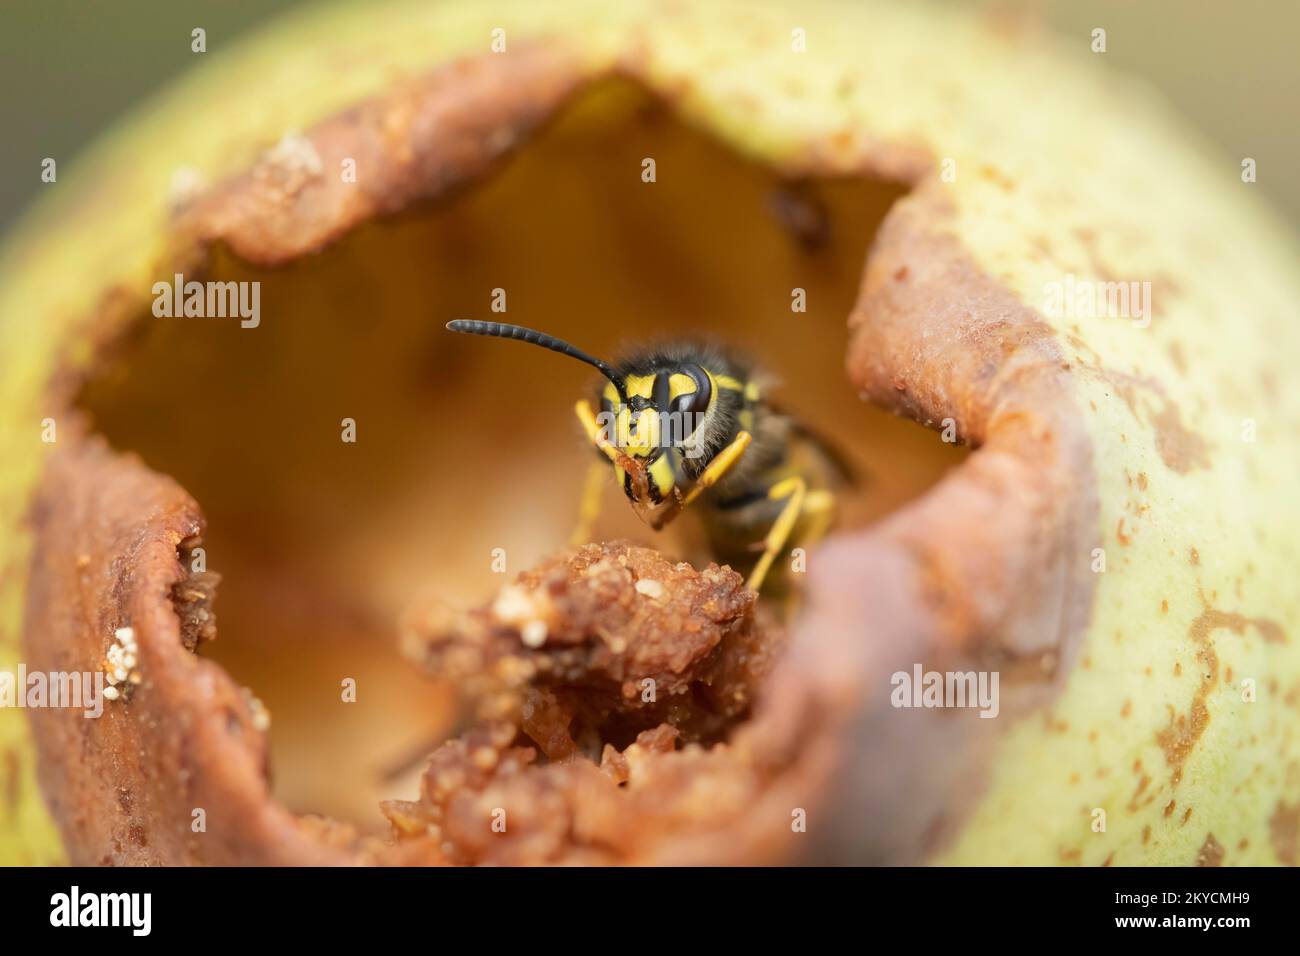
(502, 330)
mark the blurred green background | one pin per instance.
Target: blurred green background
(70, 68)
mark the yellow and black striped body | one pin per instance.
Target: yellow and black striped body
(738, 510)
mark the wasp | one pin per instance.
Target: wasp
(688, 423)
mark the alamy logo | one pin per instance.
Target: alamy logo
(1080, 299)
(102, 909)
(217, 300)
(82, 690)
(935, 689)
(645, 429)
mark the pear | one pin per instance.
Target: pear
(1105, 321)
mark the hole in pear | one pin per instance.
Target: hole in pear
(466, 451)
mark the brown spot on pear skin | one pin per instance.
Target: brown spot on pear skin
(1211, 852)
(1179, 738)
(1269, 630)
(1284, 831)
(1184, 730)
(1177, 357)
(1142, 480)
(1169, 808)
(1195, 557)
(1133, 804)
(1180, 448)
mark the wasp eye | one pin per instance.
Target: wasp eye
(693, 404)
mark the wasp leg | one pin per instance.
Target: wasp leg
(589, 506)
(817, 515)
(819, 511)
(594, 432)
(793, 490)
(719, 466)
